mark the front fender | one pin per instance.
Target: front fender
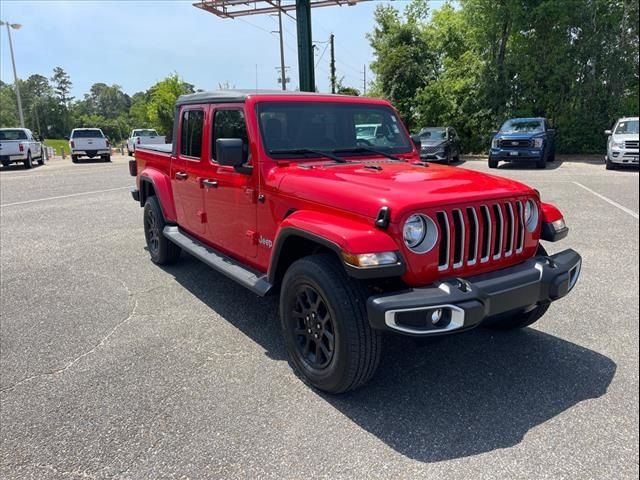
(341, 235)
(161, 184)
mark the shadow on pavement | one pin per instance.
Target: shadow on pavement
(457, 396)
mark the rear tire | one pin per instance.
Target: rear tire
(5, 164)
(162, 251)
(493, 163)
(74, 158)
(106, 158)
(325, 326)
(523, 318)
(28, 163)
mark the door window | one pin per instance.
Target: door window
(229, 124)
(192, 122)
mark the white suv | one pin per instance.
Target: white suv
(622, 146)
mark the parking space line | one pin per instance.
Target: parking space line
(608, 200)
(63, 196)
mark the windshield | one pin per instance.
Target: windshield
(522, 126)
(145, 133)
(433, 134)
(13, 135)
(330, 127)
(627, 126)
(93, 133)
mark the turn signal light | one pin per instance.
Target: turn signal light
(366, 260)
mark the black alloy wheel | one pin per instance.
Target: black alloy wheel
(313, 328)
(152, 232)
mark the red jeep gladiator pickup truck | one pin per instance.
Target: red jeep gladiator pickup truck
(358, 236)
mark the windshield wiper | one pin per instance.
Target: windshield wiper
(366, 150)
(307, 151)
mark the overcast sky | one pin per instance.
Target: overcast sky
(136, 43)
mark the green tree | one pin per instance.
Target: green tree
(163, 96)
(8, 106)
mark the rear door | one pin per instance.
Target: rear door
(230, 196)
(186, 168)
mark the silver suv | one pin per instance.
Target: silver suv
(622, 146)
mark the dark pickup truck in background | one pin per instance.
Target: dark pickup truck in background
(524, 139)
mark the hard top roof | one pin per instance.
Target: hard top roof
(239, 96)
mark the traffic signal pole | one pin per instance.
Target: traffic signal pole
(305, 46)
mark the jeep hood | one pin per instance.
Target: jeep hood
(364, 187)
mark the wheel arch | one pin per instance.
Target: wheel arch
(154, 182)
(306, 233)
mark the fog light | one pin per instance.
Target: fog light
(436, 316)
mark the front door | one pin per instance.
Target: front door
(186, 167)
(230, 196)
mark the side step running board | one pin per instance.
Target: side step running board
(255, 282)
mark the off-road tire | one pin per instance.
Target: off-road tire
(28, 163)
(356, 346)
(521, 319)
(493, 163)
(161, 250)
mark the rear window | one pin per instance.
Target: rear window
(13, 135)
(93, 133)
(145, 133)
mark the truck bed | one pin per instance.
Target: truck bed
(162, 148)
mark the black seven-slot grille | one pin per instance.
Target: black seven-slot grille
(480, 234)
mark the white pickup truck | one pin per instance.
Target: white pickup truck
(89, 142)
(18, 145)
(143, 136)
(622, 143)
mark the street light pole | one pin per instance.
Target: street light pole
(15, 26)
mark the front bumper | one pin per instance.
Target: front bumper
(507, 155)
(625, 157)
(466, 303)
(434, 157)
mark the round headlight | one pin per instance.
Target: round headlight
(420, 233)
(531, 215)
(414, 231)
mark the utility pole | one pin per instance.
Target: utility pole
(305, 46)
(15, 26)
(333, 63)
(283, 73)
(364, 81)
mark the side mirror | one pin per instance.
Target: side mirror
(66, 138)
(41, 138)
(494, 133)
(230, 152)
(608, 132)
(416, 141)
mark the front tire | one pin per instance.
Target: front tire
(162, 251)
(41, 159)
(325, 326)
(493, 163)
(610, 164)
(28, 163)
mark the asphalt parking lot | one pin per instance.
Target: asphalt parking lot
(112, 367)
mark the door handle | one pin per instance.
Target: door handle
(210, 183)
(181, 175)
